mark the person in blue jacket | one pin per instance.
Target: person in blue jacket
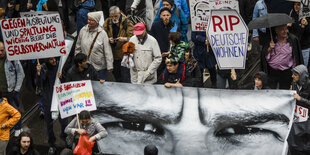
(182, 4)
(177, 16)
(81, 15)
(203, 55)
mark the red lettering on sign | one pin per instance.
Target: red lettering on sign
(299, 109)
(13, 23)
(217, 24)
(231, 21)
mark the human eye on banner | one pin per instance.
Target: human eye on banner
(200, 11)
(185, 121)
(33, 37)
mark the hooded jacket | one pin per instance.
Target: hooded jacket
(302, 86)
(251, 86)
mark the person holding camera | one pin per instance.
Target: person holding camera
(119, 30)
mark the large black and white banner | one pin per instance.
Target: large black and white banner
(192, 121)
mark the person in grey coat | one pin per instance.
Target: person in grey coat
(89, 126)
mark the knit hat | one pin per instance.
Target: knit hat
(171, 2)
(95, 15)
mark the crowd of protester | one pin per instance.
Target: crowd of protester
(162, 53)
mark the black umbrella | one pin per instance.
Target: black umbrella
(270, 20)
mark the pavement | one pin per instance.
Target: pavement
(35, 124)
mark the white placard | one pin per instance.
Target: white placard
(228, 36)
(200, 11)
(33, 37)
(304, 9)
(301, 114)
(36, 13)
(74, 97)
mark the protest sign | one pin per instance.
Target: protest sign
(36, 13)
(63, 59)
(74, 97)
(193, 121)
(301, 113)
(304, 9)
(200, 11)
(228, 36)
(33, 37)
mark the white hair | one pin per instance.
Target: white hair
(114, 9)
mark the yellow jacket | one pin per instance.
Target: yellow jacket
(7, 110)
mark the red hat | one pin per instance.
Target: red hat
(139, 29)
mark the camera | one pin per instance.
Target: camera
(115, 40)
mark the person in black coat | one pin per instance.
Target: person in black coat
(260, 81)
(175, 75)
(275, 64)
(301, 84)
(203, 53)
(24, 146)
(193, 68)
(45, 81)
(297, 140)
(301, 29)
(160, 31)
(82, 70)
(246, 8)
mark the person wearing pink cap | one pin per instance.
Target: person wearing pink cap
(146, 57)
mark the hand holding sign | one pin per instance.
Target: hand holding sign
(74, 97)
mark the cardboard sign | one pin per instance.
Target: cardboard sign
(74, 97)
(33, 37)
(200, 11)
(36, 13)
(304, 9)
(228, 36)
(63, 59)
(301, 114)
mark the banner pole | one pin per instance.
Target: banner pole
(78, 121)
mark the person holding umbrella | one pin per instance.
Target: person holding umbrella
(282, 54)
(283, 51)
